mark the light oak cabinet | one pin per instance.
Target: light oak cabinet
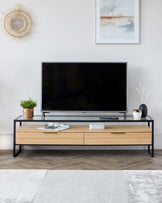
(123, 131)
(117, 138)
(81, 135)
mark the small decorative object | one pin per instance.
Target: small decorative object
(117, 21)
(52, 125)
(137, 114)
(96, 126)
(144, 110)
(55, 126)
(143, 93)
(28, 108)
(17, 23)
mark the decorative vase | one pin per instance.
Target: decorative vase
(137, 114)
(144, 110)
(28, 113)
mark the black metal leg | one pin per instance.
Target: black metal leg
(151, 150)
(149, 145)
(15, 153)
(148, 148)
(152, 138)
(14, 133)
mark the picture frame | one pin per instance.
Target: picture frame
(117, 21)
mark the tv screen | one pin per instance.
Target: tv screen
(84, 87)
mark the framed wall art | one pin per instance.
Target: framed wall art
(117, 21)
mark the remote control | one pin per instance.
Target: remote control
(109, 117)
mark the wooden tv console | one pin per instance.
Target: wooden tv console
(80, 135)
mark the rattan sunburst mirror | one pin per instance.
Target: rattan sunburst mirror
(17, 23)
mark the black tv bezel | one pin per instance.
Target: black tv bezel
(79, 111)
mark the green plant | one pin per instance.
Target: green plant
(28, 104)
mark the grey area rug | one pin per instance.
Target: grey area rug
(42, 186)
(144, 186)
(17, 186)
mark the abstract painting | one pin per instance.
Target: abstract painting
(117, 21)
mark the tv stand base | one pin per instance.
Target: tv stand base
(81, 135)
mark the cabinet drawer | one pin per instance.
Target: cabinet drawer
(117, 138)
(50, 138)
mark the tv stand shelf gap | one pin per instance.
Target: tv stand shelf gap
(133, 134)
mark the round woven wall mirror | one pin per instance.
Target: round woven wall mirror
(17, 23)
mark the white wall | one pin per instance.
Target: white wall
(65, 31)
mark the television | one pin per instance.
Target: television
(84, 87)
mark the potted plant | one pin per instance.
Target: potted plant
(28, 108)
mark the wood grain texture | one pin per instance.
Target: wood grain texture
(82, 160)
(117, 139)
(50, 138)
(85, 128)
(81, 135)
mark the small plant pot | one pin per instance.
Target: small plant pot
(28, 113)
(137, 114)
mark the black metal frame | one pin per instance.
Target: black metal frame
(21, 121)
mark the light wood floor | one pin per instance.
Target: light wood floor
(82, 160)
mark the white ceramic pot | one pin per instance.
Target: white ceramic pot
(137, 115)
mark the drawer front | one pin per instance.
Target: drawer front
(50, 138)
(117, 138)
